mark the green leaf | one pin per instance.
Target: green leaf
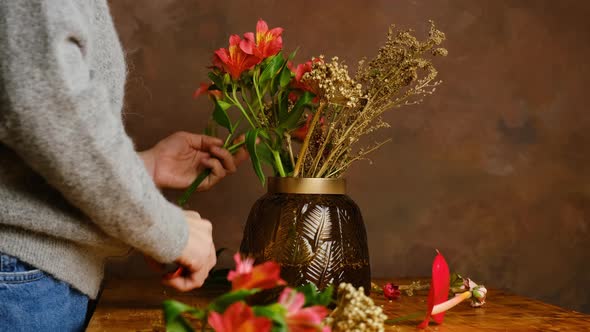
(251, 138)
(286, 76)
(173, 311)
(275, 312)
(292, 118)
(292, 55)
(221, 303)
(211, 128)
(272, 69)
(287, 165)
(220, 114)
(218, 81)
(315, 297)
(265, 154)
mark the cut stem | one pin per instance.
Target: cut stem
(451, 303)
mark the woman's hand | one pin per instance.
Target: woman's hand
(176, 160)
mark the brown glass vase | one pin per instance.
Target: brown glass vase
(312, 229)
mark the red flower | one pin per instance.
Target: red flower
(439, 289)
(248, 276)
(233, 60)
(301, 319)
(239, 318)
(300, 133)
(391, 291)
(266, 42)
(299, 71)
(204, 89)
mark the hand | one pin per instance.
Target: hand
(198, 256)
(176, 160)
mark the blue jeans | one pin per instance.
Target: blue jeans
(31, 300)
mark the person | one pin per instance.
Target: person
(73, 190)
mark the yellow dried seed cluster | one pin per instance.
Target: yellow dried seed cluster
(356, 312)
(332, 82)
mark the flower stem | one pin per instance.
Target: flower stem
(204, 174)
(237, 103)
(290, 146)
(411, 316)
(279, 163)
(305, 145)
(451, 303)
(232, 149)
(193, 187)
(259, 98)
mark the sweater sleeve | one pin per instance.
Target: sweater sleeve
(60, 120)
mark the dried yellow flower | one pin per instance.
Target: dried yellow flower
(399, 75)
(355, 312)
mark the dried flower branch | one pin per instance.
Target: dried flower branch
(399, 75)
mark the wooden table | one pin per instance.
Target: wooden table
(135, 305)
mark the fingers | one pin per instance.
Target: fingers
(240, 156)
(185, 283)
(192, 279)
(226, 159)
(217, 172)
(202, 142)
(198, 257)
(192, 214)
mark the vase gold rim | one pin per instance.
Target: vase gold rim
(291, 185)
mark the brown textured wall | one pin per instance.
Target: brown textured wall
(494, 170)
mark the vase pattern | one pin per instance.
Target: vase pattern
(315, 238)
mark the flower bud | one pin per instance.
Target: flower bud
(391, 291)
(479, 296)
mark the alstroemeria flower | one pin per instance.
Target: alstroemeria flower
(247, 276)
(301, 319)
(265, 43)
(439, 289)
(391, 291)
(300, 133)
(239, 318)
(233, 60)
(299, 71)
(204, 89)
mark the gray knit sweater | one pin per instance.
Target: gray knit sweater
(72, 188)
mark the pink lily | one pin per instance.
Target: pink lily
(301, 319)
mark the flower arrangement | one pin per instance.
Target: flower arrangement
(305, 120)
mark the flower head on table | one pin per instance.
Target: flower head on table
(247, 276)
